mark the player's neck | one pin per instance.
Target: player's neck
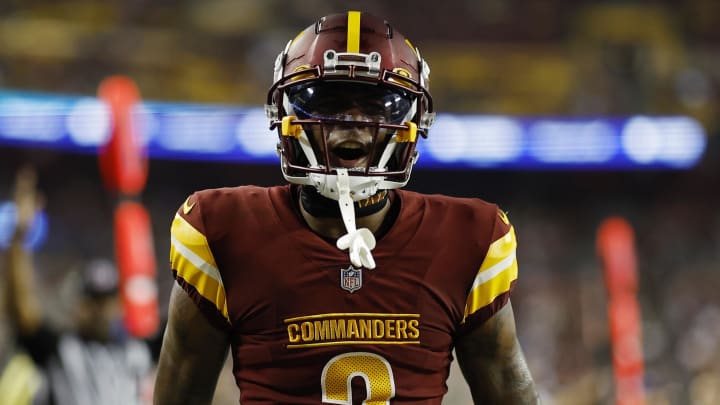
(332, 227)
(320, 206)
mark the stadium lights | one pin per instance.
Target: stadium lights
(241, 134)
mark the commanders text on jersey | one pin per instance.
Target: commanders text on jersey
(352, 328)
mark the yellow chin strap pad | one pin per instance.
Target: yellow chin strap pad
(404, 135)
(287, 128)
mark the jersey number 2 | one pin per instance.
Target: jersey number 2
(341, 369)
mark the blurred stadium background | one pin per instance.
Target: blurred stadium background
(519, 60)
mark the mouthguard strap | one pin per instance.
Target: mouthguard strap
(359, 242)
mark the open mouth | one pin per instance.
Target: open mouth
(349, 154)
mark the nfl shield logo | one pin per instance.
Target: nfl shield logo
(351, 279)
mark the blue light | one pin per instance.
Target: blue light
(473, 140)
(253, 135)
(88, 122)
(8, 219)
(32, 120)
(673, 141)
(448, 141)
(202, 131)
(229, 133)
(578, 142)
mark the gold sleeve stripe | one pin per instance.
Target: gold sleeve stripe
(486, 276)
(198, 276)
(353, 33)
(499, 250)
(194, 241)
(197, 270)
(486, 293)
(496, 274)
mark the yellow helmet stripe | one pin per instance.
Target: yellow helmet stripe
(353, 32)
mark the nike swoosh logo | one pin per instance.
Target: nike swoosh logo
(502, 215)
(187, 207)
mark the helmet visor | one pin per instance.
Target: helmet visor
(345, 101)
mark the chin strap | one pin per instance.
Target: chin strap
(359, 242)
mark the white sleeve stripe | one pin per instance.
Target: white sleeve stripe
(487, 275)
(196, 260)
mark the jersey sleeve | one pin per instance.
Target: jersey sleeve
(193, 264)
(495, 279)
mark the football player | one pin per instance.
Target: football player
(340, 287)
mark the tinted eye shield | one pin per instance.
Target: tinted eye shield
(344, 101)
(275, 111)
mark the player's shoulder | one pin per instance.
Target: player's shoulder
(225, 195)
(463, 203)
(221, 199)
(469, 207)
(473, 217)
(213, 211)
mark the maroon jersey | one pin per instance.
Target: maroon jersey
(307, 327)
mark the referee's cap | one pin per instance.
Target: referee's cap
(100, 278)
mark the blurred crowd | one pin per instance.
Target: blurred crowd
(527, 57)
(500, 56)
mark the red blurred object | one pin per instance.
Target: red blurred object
(616, 248)
(124, 168)
(136, 264)
(123, 160)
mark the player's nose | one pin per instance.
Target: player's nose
(358, 115)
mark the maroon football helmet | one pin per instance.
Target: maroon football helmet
(350, 92)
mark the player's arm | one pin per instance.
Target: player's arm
(192, 354)
(493, 364)
(487, 348)
(23, 306)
